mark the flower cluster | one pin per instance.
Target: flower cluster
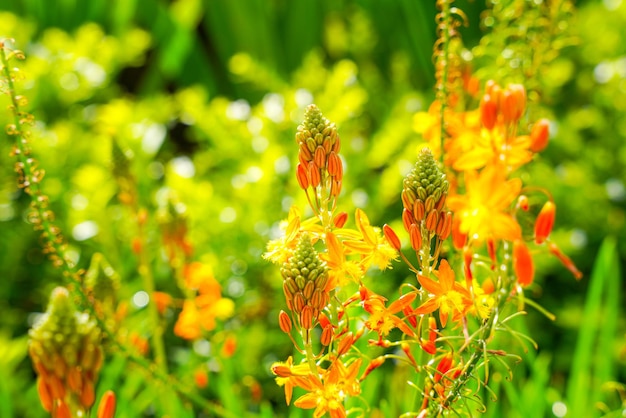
(67, 355)
(445, 315)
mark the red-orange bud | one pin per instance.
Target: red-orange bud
(539, 135)
(340, 219)
(407, 219)
(513, 103)
(334, 164)
(61, 410)
(419, 210)
(88, 397)
(488, 111)
(545, 222)
(431, 220)
(523, 263)
(106, 408)
(305, 152)
(306, 317)
(442, 368)
(459, 239)
(315, 176)
(303, 178)
(320, 157)
(327, 335)
(44, 394)
(416, 237)
(392, 238)
(284, 321)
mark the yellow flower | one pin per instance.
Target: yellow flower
(279, 250)
(373, 247)
(341, 270)
(483, 209)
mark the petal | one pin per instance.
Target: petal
(430, 285)
(427, 307)
(308, 401)
(401, 303)
(363, 223)
(445, 275)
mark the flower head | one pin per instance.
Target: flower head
(327, 394)
(373, 247)
(447, 295)
(484, 209)
(383, 318)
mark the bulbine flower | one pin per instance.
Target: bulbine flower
(67, 355)
(447, 295)
(484, 211)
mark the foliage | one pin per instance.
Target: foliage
(165, 131)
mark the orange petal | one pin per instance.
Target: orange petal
(523, 263)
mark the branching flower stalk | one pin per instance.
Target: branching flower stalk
(29, 173)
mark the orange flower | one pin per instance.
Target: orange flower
(202, 311)
(483, 210)
(279, 250)
(327, 394)
(446, 295)
(188, 324)
(290, 376)
(383, 319)
(199, 276)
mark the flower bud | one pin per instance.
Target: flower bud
(284, 321)
(523, 263)
(327, 335)
(302, 176)
(340, 219)
(391, 237)
(539, 135)
(545, 222)
(488, 112)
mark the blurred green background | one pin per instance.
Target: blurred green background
(204, 98)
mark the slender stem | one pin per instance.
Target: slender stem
(148, 282)
(308, 351)
(443, 62)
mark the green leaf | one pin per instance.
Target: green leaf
(593, 363)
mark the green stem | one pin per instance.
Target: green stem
(308, 350)
(148, 282)
(442, 60)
